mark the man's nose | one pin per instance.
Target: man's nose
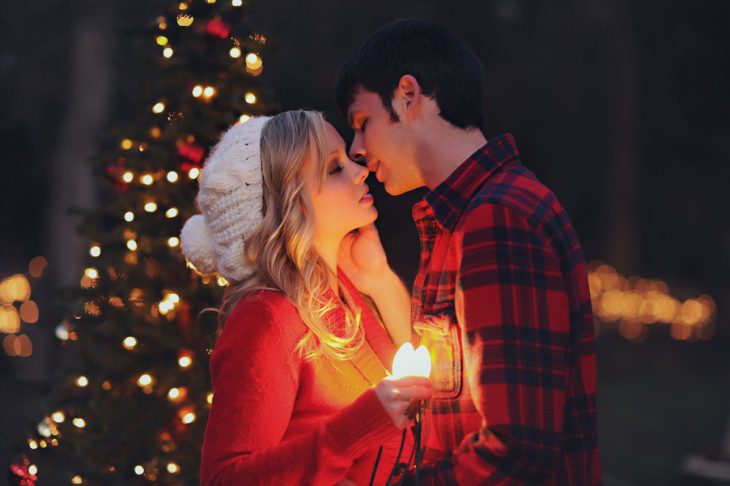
(357, 150)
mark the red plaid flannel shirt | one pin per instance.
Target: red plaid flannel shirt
(501, 300)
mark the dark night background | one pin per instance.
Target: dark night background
(621, 107)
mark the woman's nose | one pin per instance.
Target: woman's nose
(360, 173)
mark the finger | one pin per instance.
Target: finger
(408, 381)
(415, 393)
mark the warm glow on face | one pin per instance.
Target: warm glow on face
(410, 362)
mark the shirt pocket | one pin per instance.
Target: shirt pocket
(441, 338)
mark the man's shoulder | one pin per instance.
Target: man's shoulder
(520, 191)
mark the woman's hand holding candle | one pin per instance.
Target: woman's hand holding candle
(396, 396)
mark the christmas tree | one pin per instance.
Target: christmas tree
(136, 410)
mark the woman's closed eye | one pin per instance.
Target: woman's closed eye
(334, 168)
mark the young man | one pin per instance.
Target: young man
(501, 298)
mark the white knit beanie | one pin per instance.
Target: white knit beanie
(230, 199)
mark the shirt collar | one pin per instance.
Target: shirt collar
(447, 200)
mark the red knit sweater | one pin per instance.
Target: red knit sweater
(279, 419)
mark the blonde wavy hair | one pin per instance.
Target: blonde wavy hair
(280, 249)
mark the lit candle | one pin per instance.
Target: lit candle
(411, 362)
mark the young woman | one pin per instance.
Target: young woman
(298, 371)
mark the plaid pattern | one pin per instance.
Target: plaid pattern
(502, 302)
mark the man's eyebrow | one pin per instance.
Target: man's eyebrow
(351, 117)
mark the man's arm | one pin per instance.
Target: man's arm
(514, 314)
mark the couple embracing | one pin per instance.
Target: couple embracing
(314, 314)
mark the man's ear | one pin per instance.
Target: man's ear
(407, 97)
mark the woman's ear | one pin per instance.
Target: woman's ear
(407, 97)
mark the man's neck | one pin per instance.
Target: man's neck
(445, 150)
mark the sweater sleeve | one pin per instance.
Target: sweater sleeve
(254, 371)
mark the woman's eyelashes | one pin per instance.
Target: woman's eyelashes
(362, 125)
(335, 168)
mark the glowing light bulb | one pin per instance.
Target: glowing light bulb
(253, 61)
(194, 173)
(173, 241)
(92, 273)
(172, 176)
(32, 444)
(129, 342)
(147, 179)
(95, 251)
(236, 3)
(171, 213)
(173, 394)
(158, 107)
(33, 469)
(127, 144)
(150, 207)
(197, 90)
(77, 480)
(209, 398)
(173, 468)
(410, 362)
(132, 245)
(82, 381)
(128, 177)
(144, 380)
(185, 20)
(79, 422)
(250, 98)
(244, 118)
(138, 470)
(129, 216)
(185, 361)
(161, 40)
(235, 52)
(58, 417)
(188, 418)
(209, 91)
